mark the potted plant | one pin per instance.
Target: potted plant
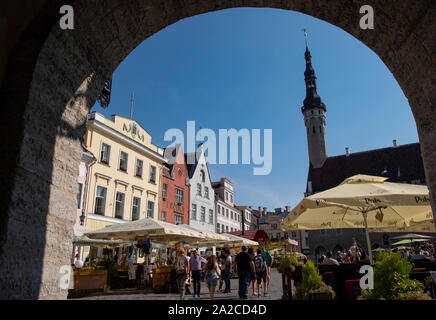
(287, 267)
(312, 287)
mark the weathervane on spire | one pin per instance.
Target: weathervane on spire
(305, 35)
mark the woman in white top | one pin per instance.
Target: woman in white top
(212, 273)
(182, 270)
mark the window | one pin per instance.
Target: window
(105, 153)
(123, 161)
(164, 216)
(178, 219)
(219, 209)
(217, 227)
(227, 213)
(231, 198)
(179, 196)
(136, 208)
(227, 228)
(119, 205)
(194, 212)
(274, 226)
(210, 216)
(227, 195)
(152, 174)
(150, 209)
(278, 235)
(285, 235)
(203, 214)
(313, 128)
(231, 215)
(164, 191)
(138, 168)
(100, 200)
(294, 234)
(206, 192)
(222, 228)
(202, 177)
(198, 189)
(79, 196)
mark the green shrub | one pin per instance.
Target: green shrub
(311, 278)
(391, 279)
(286, 261)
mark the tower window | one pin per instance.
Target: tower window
(320, 129)
(312, 111)
(313, 128)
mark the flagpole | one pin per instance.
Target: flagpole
(131, 105)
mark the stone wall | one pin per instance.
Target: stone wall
(50, 78)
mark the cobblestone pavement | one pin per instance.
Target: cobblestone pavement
(274, 293)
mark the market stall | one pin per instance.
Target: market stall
(92, 277)
(154, 232)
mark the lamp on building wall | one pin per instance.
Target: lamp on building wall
(82, 218)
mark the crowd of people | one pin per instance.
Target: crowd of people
(423, 251)
(251, 267)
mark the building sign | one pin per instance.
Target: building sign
(176, 207)
(134, 131)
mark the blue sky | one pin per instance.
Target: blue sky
(243, 68)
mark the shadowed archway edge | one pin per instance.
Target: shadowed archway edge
(53, 77)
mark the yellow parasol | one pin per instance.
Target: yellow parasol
(366, 202)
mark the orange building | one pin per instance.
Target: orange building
(174, 198)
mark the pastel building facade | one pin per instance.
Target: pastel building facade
(126, 179)
(228, 216)
(175, 193)
(202, 197)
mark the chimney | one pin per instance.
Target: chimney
(288, 208)
(264, 211)
(278, 210)
(347, 151)
(249, 207)
(394, 143)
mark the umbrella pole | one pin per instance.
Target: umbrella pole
(368, 240)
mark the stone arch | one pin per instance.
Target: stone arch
(50, 79)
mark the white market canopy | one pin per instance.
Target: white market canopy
(155, 230)
(85, 241)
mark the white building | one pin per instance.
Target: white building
(202, 196)
(247, 219)
(228, 216)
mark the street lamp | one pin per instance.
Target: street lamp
(82, 218)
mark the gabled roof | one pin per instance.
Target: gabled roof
(253, 235)
(399, 164)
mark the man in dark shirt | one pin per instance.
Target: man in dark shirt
(244, 264)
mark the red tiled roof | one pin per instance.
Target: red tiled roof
(402, 163)
(253, 235)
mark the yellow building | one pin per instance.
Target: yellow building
(125, 180)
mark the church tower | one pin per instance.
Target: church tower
(314, 115)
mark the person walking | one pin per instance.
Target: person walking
(227, 270)
(252, 281)
(212, 273)
(244, 265)
(269, 259)
(195, 264)
(182, 270)
(261, 272)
